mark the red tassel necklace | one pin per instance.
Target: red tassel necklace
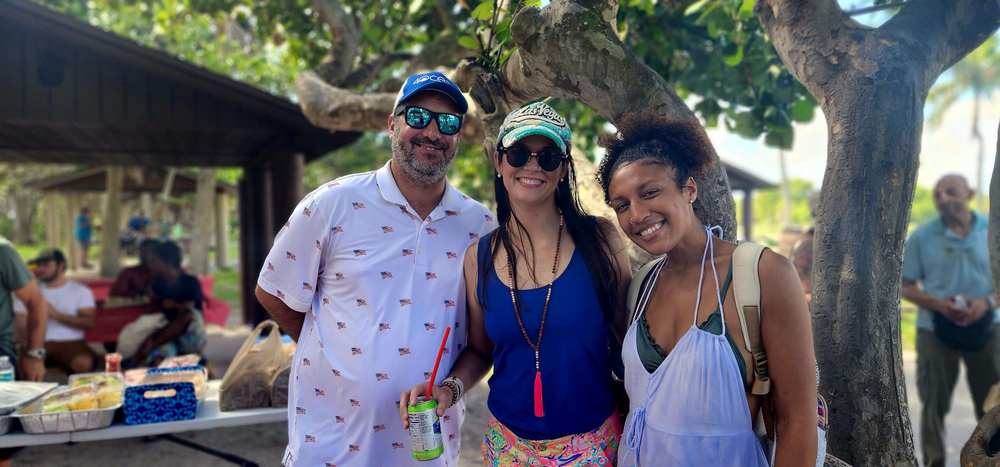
(539, 410)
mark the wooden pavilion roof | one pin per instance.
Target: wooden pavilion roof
(144, 180)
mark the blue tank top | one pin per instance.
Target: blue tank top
(573, 356)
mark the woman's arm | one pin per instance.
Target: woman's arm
(477, 357)
(786, 331)
(623, 268)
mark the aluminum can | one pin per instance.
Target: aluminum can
(425, 430)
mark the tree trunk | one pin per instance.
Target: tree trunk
(203, 226)
(871, 85)
(73, 248)
(786, 191)
(864, 209)
(222, 231)
(110, 222)
(980, 156)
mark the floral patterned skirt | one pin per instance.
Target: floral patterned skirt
(598, 447)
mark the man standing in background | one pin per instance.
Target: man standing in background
(83, 235)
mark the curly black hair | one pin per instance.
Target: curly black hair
(650, 138)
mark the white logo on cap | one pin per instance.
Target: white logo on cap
(435, 78)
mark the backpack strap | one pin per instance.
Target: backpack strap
(636, 288)
(746, 283)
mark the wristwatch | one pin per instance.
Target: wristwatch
(36, 353)
(992, 301)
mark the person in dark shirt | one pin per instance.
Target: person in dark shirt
(136, 280)
(179, 297)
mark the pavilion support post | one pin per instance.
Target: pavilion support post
(51, 219)
(286, 181)
(256, 237)
(72, 247)
(747, 214)
(110, 249)
(222, 231)
(203, 225)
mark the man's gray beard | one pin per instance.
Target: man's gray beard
(408, 165)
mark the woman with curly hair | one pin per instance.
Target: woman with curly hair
(687, 380)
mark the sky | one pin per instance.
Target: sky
(946, 149)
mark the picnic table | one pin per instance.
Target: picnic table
(209, 417)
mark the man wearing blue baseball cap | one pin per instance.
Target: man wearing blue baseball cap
(366, 275)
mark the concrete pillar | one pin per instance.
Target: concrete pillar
(110, 221)
(72, 248)
(203, 226)
(51, 219)
(222, 231)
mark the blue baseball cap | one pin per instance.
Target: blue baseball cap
(432, 81)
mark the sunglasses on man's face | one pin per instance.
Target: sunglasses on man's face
(419, 118)
(549, 159)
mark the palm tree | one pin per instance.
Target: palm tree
(978, 74)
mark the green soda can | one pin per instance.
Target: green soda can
(425, 430)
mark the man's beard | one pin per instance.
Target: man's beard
(421, 173)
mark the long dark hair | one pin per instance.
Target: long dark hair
(590, 240)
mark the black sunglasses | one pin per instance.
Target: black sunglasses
(419, 117)
(549, 159)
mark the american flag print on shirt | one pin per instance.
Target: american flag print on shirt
(397, 445)
(358, 206)
(446, 351)
(427, 375)
(331, 185)
(431, 231)
(447, 417)
(280, 294)
(473, 236)
(336, 230)
(360, 253)
(341, 325)
(489, 218)
(379, 427)
(338, 276)
(430, 275)
(404, 351)
(407, 252)
(336, 372)
(288, 223)
(300, 411)
(450, 213)
(355, 403)
(386, 229)
(289, 255)
(353, 448)
(319, 392)
(381, 377)
(449, 303)
(383, 326)
(355, 350)
(429, 326)
(270, 267)
(310, 439)
(451, 255)
(386, 275)
(307, 286)
(305, 362)
(306, 212)
(451, 436)
(326, 301)
(340, 419)
(319, 246)
(362, 302)
(404, 301)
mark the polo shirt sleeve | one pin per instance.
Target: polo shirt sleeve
(913, 268)
(293, 267)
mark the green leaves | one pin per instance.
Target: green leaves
(469, 42)
(803, 110)
(484, 11)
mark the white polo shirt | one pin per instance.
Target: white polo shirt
(68, 299)
(379, 286)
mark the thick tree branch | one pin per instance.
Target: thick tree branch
(994, 224)
(570, 49)
(941, 32)
(345, 30)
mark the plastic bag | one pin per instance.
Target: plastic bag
(279, 386)
(135, 333)
(247, 383)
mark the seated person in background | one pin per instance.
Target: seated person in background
(138, 223)
(179, 297)
(136, 280)
(71, 310)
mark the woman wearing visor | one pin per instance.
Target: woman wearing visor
(543, 296)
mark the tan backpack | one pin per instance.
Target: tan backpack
(746, 290)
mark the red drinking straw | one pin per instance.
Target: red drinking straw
(437, 363)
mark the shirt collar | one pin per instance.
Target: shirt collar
(451, 201)
(979, 221)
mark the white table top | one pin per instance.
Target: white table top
(208, 417)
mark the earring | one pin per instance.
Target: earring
(691, 201)
(563, 179)
(498, 175)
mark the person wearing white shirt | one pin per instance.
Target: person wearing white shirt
(71, 310)
(366, 275)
